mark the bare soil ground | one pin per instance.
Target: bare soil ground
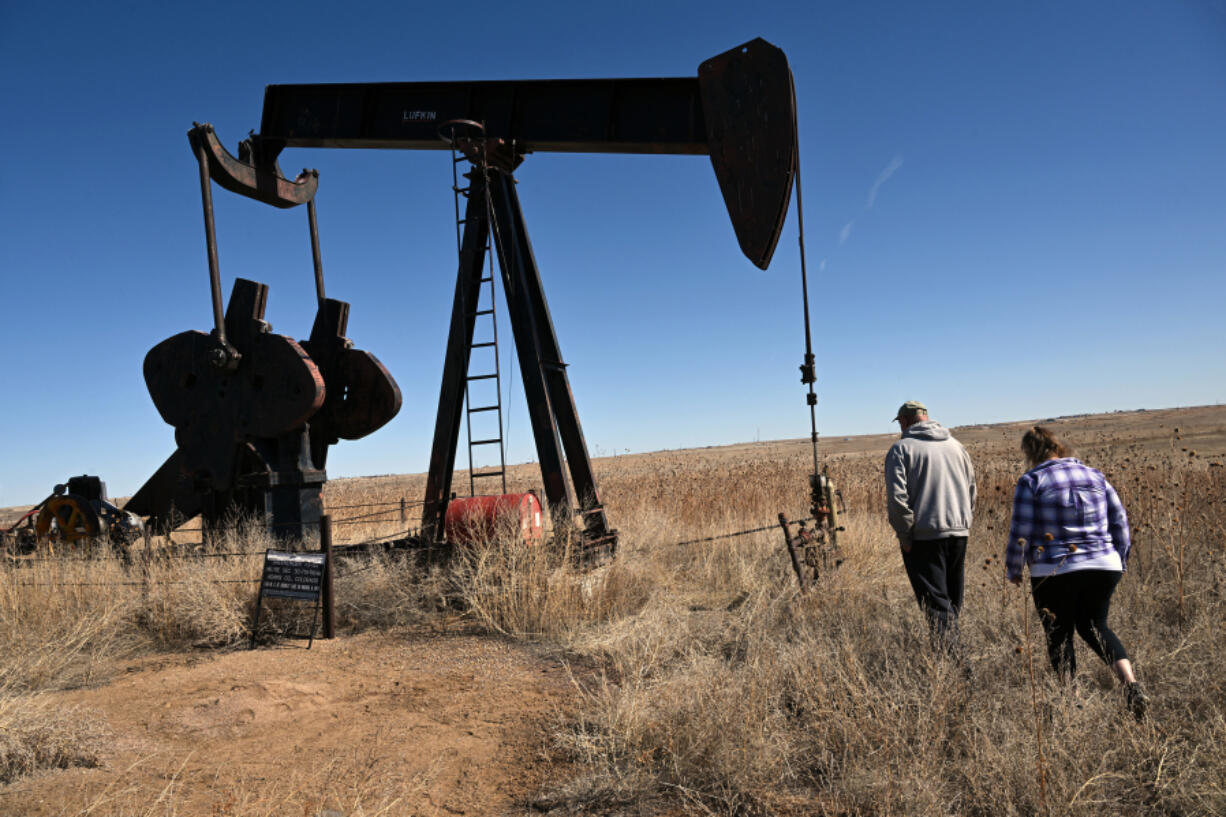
(428, 723)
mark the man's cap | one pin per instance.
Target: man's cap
(910, 407)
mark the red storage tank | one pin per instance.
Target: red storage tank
(477, 518)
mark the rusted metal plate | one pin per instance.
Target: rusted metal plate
(264, 184)
(254, 439)
(274, 389)
(168, 497)
(367, 395)
(361, 395)
(750, 110)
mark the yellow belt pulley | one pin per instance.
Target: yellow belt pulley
(66, 519)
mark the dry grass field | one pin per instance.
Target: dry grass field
(679, 679)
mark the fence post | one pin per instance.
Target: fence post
(145, 557)
(403, 518)
(329, 601)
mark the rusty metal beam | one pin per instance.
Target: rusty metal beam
(262, 181)
(536, 343)
(568, 116)
(740, 110)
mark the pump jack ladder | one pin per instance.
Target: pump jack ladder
(740, 110)
(452, 132)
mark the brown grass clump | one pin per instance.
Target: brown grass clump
(35, 735)
(528, 590)
(62, 623)
(381, 591)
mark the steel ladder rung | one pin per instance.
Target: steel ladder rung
(480, 474)
(483, 408)
(481, 377)
(483, 345)
(486, 442)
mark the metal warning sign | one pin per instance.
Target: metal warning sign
(292, 575)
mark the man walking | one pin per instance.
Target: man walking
(930, 491)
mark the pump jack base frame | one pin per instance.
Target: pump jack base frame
(569, 482)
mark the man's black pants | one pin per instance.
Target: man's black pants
(935, 568)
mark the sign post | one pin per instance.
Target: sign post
(329, 598)
(286, 575)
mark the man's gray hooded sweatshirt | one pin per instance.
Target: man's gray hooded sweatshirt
(930, 484)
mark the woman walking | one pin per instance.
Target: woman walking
(1070, 527)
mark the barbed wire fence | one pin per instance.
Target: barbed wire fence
(182, 549)
(345, 550)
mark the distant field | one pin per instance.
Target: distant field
(1202, 428)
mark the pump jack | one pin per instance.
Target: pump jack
(740, 110)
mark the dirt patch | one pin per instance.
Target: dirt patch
(410, 723)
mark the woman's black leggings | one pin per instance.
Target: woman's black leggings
(1077, 601)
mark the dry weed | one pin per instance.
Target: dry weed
(717, 688)
(727, 692)
(35, 735)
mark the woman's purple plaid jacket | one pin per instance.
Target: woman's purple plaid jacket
(1064, 512)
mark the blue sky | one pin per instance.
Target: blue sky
(1012, 211)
